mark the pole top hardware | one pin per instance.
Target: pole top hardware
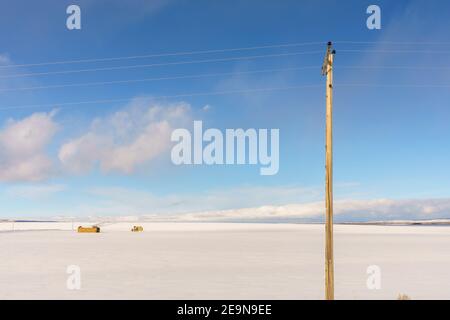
(326, 61)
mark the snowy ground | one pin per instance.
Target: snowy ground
(221, 261)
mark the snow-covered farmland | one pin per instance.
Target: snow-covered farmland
(221, 261)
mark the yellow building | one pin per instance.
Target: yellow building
(137, 229)
(93, 229)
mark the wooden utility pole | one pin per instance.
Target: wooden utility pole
(327, 69)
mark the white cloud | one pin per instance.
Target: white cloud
(276, 203)
(146, 146)
(23, 144)
(126, 139)
(4, 59)
(119, 200)
(344, 210)
(305, 210)
(34, 192)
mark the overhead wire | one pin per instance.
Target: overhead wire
(159, 55)
(192, 76)
(160, 64)
(225, 92)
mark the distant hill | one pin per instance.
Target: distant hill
(433, 222)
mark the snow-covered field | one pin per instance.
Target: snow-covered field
(221, 261)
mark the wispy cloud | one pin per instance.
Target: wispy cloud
(4, 59)
(144, 202)
(34, 191)
(277, 203)
(126, 139)
(23, 144)
(344, 210)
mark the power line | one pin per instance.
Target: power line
(393, 85)
(394, 67)
(158, 79)
(217, 60)
(212, 93)
(182, 53)
(207, 75)
(208, 51)
(393, 42)
(160, 64)
(394, 51)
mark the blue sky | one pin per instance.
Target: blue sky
(391, 143)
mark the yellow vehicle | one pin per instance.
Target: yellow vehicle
(93, 229)
(137, 229)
